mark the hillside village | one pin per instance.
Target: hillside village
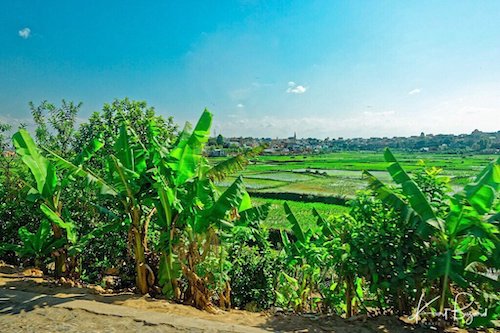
(476, 142)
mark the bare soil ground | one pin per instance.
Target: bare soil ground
(37, 304)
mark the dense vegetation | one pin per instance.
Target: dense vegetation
(128, 193)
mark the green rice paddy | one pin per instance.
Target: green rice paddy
(339, 175)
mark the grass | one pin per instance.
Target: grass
(254, 184)
(286, 176)
(302, 210)
(339, 174)
(324, 186)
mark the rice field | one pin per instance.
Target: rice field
(302, 210)
(338, 175)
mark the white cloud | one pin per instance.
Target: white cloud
(415, 91)
(449, 116)
(240, 105)
(459, 111)
(293, 88)
(24, 33)
(296, 90)
(362, 124)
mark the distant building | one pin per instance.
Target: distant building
(217, 153)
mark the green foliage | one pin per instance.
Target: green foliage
(47, 190)
(3, 141)
(394, 245)
(252, 277)
(307, 262)
(56, 125)
(388, 252)
(138, 196)
(137, 115)
(43, 171)
(15, 210)
(186, 154)
(231, 165)
(464, 235)
(38, 246)
(434, 186)
(197, 218)
(170, 186)
(254, 264)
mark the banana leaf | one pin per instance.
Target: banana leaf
(41, 168)
(187, 152)
(417, 199)
(296, 228)
(70, 227)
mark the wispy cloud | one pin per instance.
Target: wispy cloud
(415, 91)
(294, 88)
(451, 117)
(24, 33)
(363, 124)
(240, 105)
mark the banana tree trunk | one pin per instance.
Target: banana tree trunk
(348, 296)
(38, 264)
(445, 282)
(140, 264)
(176, 291)
(60, 261)
(141, 271)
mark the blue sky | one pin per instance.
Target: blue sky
(265, 68)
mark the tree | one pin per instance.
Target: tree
(6, 157)
(137, 114)
(56, 125)
(3, 142)
(220, 140)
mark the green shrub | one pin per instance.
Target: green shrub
(254, 270)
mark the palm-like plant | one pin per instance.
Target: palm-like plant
(174, 186)
(464, 237)
(39, 245)
(127, 182)
(48, 187)
(195, 217)
(307, 257)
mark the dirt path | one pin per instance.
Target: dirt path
(39, 305)
(29, 312)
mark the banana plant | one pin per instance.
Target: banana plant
(208, 228)
(126, 181)
(306, 257)
(324, 264)
(46, 188)
(339, 238)
(465, 235)
(196, 219)
(174, 167)
(173, 186)
(39, 245)
(127, 174)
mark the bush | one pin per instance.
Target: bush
(254, 270)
